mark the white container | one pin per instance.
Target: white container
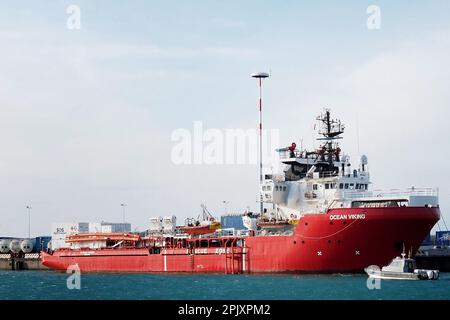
(61, 230)
(106, 228)
(169, 223)
(95, 227)
(155, 224)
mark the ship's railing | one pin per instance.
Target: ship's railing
(434, 192)
(326, 174)
(227, 233)
(286, 154)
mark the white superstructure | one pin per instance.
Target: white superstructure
(313, 181)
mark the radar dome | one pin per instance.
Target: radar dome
(14, 246)
(4, 246)
(364, 159)
(26, 246)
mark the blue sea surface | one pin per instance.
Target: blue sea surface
(53, 285)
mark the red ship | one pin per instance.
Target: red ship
(324, 217)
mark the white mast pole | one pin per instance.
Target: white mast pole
(260, 76)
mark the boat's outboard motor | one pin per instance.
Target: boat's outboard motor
(433, 274)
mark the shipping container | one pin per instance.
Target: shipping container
(169, 224)
(115, 227)
(63, 229)
(232, 221)
(443, 238)
(41, 243)
(155, 224)
(95, 227)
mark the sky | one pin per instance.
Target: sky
(87, 115)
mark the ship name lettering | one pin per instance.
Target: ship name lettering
(338, 217)
(358, 216)
(349, 216)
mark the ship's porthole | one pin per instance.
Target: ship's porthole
(306, 223)
(329, 241)
(331, 222)
(345, 222)
(339, 241)
(295, 242)
(303, 242)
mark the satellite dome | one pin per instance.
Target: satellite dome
(363, 159)
(260, 75)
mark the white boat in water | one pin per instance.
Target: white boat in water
(401, 268)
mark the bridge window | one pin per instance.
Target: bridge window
(378, 203)
(327, 186)
(314, 186)
(341, 186)
(346, 186)
(284, 188)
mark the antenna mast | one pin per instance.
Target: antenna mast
(331, 129)
(260, 76)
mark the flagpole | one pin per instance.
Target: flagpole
(29, 221)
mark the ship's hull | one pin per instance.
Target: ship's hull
(342, 240)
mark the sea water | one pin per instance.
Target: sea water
(53, 285)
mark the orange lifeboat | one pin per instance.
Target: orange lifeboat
(273, 224)
(204, 224)
(201, 229)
